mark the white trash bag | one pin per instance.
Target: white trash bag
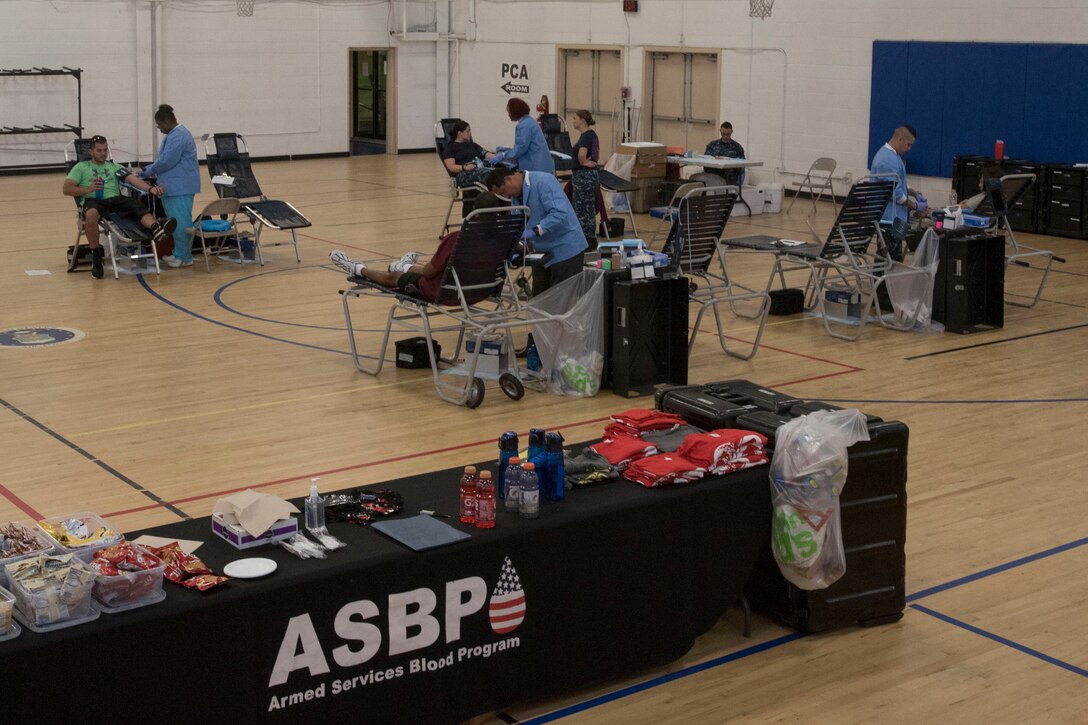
(571, 348)
(620, 165)
(910, 293)
(808, 472)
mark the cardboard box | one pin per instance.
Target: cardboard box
(842, 303)
(642, 149)
(648, 169)
(646, 196)
(241, 539)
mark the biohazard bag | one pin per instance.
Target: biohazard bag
(912, 295)
(571, 343)
(808, 472)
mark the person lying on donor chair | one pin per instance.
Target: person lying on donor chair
(96, 184)
(405, 275)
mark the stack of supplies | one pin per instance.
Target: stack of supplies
(621, 450)
(637, 421)
(725, 450)
(663, 469)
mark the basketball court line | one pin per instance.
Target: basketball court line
(997, 342)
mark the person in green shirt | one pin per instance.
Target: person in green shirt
(96, 185)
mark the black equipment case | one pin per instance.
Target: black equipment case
(873, 504)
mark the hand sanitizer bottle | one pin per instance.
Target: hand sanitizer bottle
(314, 508)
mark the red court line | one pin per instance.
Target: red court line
(23, 505)
(307, 476)
(462, 446)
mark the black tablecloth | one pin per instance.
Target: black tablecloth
(616, 579)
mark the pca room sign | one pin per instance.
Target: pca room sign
(26, 337)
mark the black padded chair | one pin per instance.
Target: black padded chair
(228, 155)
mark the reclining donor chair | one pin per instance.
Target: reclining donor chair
(228, 156)
(478, 301)
(122, 237)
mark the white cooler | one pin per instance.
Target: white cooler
(754, 196)
(772, 197)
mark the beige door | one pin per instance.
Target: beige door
(591, 78)
(682, 96)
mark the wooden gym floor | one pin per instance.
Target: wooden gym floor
(190, 385)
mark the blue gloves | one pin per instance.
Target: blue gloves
(497, 158)
(923, 203)
(528, 235)
(501, 149)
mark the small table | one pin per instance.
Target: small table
(716, 162)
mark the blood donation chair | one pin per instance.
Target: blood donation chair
(232, 176)
(122, 237)
(478, 303)
(695, 251)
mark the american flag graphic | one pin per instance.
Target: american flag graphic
(507, 608)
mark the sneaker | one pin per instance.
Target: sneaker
(405, 263)
(97, 254)
(161, 230)
(171, 261)
(346, 263)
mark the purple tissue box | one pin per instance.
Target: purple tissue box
(242, 539)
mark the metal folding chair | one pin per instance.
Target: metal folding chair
(694, 249)
(216, 238)
(1000, 197)
(816, 182)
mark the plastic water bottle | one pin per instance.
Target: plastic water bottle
(530, 493)
(508, 448)
(485, 501)
(99, 186)
(513, 485)
(467, 505)
(555, 489)
(314, 508)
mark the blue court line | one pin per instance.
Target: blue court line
(1002, 640)
(218, 297)
(664, 679)
(695, 669)
(997, 569)
(199, 316)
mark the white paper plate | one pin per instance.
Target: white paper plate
(250, 568)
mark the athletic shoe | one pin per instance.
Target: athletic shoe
(405, 263)
(346, 263)
(97, 254)
(161, 230)
(171, 261)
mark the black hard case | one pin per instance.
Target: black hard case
(873, 506)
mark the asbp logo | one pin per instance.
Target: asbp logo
(413, 623)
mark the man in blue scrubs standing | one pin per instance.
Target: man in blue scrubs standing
(889, 160)
(553, 224)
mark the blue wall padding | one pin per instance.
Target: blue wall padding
(961, 97)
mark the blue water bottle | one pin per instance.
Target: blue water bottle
(99, 186)
(536, 456)
(555, 489)
(508, 448)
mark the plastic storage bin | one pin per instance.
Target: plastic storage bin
(753, 195)
(130, 589)
(46, 611)
(46, 548)
(8, 628)
(772, 197)
(86, 551)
